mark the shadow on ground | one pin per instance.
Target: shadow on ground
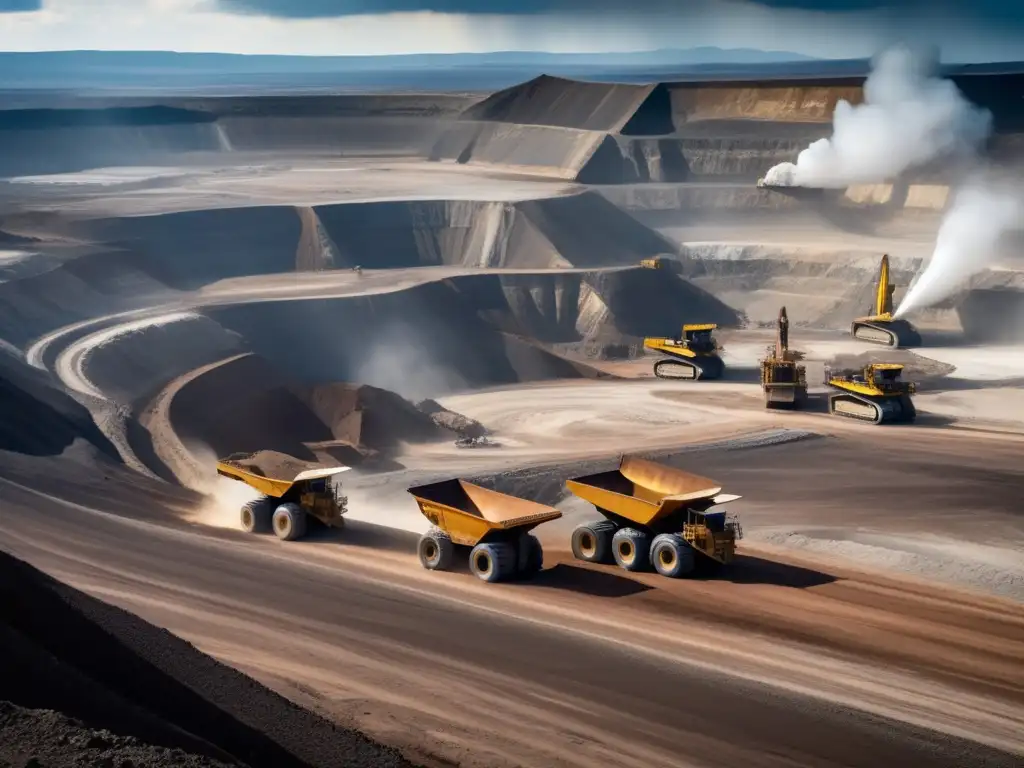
(588, 581)
(749, 569)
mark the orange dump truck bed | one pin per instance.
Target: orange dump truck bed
(468, 512)
(644, 492)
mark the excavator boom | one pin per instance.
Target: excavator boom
(880, 327)
(884, 290)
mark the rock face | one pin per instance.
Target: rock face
(48, 739)
(455, 422)
(302, 425)
(37, 416)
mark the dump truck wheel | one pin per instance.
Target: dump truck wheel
(255, 515)
(289, 522)
(493, 562)
(631, 549)
(530, 556)
(592, 542)
(672, 556)
(436, 551)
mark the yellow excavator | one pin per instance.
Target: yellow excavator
(880, 327)
(695, 355)
(877, 395)
(783, 381)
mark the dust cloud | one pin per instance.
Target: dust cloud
(968, 242)
(223, 497)
(909, 117)
(404, 361)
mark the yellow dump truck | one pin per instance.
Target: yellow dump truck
(877, 395)
(495, 526)
(783, 381)
(879, 327)
(285, 506)
(694, 355)
(654, 516)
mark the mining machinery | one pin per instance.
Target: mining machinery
(285, 506)
(695, 355)
(877, 395)
(880, 327)
(654, 516)
(493, 526)
(783, 381)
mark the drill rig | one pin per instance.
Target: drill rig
(880, 327)
(877, 395)
(783, 381)
(693, 356)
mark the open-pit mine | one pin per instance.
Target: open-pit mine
(415, 336)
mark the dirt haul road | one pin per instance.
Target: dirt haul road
(775, 665)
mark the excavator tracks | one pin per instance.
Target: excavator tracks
(685, 370)
(872, 410)
(888, 334)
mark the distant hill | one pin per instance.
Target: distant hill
(147, 72)
(70, 70)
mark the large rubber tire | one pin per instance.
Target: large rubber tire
(289, 522)
(631, 549)
(672, 556)
(592, 542)
(255, 515)
(493, 562)
(530, 555)
(436, 551)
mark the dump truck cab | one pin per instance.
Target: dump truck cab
(285, 505)
(713, 533)
(694, 354)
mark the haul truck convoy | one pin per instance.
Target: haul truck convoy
(285, 506)
(654, 516)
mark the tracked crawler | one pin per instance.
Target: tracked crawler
(880, 327)
(695, 355)
(654, 517)
(877, 395)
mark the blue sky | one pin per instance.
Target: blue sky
(978, 30)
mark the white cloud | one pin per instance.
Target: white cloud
(196, 25)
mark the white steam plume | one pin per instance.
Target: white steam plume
(967, 242)
(909, 117)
